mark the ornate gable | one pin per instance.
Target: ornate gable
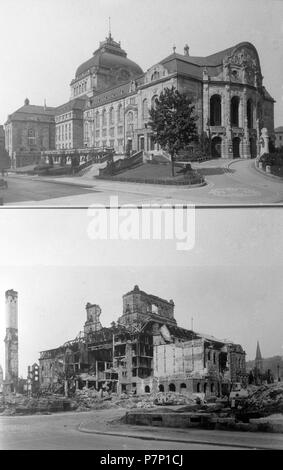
(243, 65)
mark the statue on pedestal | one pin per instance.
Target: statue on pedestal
(264, 140)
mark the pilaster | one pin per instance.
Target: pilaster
(246, 137)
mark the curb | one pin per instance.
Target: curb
(172, 185)
(269, 176)
(165, 439)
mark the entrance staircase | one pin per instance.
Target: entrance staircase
(157, 156)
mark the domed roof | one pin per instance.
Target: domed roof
(111, 56)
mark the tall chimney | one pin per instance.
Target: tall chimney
(11, 340)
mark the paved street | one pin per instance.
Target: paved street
(60, 431)
(240, 183)
(24, 189)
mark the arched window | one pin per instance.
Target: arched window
(155, 75)
(147, 389)
(130, 121)
(215, 110)
(172, 388)
(183, 386)
(198, 387)
(153, 99)
(161, 388)
(104, 118)
(111, 116)
(212, 388)
(144, 109)
(250, 110)
(119, 113)
(235, 111)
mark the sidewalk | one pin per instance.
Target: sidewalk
(109, 424)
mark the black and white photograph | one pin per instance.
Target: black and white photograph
(141, 221)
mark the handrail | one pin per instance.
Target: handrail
(122, 164)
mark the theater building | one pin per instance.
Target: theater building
(110, 98)
(144, 351)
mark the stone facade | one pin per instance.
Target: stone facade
(226, 88)
(28, 131)
(111, 96)
(69, 124)
(144, 351)
(5, 162)
(278, 137)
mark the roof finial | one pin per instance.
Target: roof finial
(186, 50)
(109, 22)
(174, 48)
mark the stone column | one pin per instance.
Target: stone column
(246, 138)
(227, 141)
(205, 106)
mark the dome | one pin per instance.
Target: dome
(111, 56)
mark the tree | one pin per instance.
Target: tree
(173, 122)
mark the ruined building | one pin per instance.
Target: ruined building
(145, 351)
(11, 341)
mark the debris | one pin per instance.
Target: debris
(267, 399)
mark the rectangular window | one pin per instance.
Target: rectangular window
(31, 137)
(132, 100)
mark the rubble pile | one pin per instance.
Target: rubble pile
(267, 399)
(91, 399)
(154, 400)
(20, 404)
(173, 398)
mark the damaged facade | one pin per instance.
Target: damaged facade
(145, 351)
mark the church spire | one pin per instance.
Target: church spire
(258, 355)
(258, 359)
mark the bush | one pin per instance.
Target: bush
(272, 159)
(275, 161)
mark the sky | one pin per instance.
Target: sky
(44, 41)
(230, 282)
